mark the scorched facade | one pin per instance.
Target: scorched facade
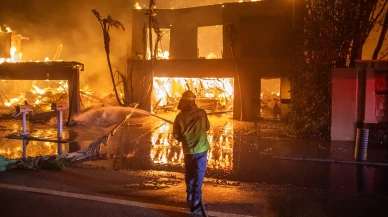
(248, 43)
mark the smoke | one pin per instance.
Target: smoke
(103, 116)
(71, 23)
(107, 116)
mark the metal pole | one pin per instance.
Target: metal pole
(59, 148)
(24, 152)
(59, 124)
(24, 132)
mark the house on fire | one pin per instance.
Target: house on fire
(196, 43)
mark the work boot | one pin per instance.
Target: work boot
(195, 210)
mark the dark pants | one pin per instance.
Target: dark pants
(195, 168)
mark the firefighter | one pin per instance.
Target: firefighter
(190, 128)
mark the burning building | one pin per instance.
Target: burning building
(224, 53)
(12, 67)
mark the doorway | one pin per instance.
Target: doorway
(270, 99)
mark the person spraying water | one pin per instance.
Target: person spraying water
(190, 127)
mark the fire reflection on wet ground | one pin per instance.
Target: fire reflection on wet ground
(13, 149)
(240, 151)
(166, 150)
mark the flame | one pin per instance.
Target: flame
(137, 6)
(39, 95)
(212, 56)
(166, 55)
(7, 29)
(167, 91)
(38, 90)
(12, 102)
(37, 101)
(166, 150)
(15, 54)
(161, 54)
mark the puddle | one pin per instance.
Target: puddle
(13, 149)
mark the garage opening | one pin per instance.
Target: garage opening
(270, 98)
(213, 94)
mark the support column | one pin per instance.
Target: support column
(285, 97)
(74, 94)
(256, 101)
(370, 97)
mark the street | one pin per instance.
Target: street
(91, 191)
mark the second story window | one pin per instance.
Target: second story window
(210, 42)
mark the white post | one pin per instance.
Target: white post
(24, 152)
(59, 148)
(59, 124)
(24, 133)
(59, 132)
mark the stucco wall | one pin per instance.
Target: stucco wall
(344, 102)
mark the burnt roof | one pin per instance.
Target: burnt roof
(52, 70)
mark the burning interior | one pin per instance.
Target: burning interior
(36, 83)
(213, 94)
(270, 98)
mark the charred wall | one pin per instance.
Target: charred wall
(259, 42)
(5, 44)
(260, 28)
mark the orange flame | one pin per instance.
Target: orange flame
(137, 6)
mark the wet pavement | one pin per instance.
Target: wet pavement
(167, 188)
(240, 151)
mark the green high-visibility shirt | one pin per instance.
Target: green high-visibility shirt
(190, 128)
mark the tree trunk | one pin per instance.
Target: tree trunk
(361, 31)
(381, 38)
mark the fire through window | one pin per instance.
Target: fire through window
(209, 42)
(162, 44)
(213, 94)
